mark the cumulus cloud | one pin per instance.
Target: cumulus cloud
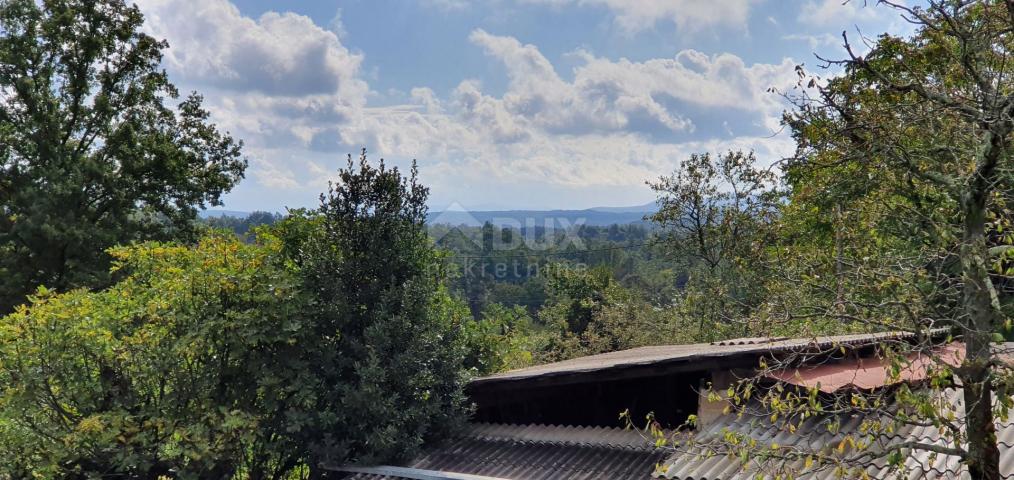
(538, 96)
(814, 41)
(687, 15)
(718, 81)
(300, 100)
(212, 43)
(835, 13)
(426, 97)
(273, 174)
(277, 81)
(600, 128)
(620, 96)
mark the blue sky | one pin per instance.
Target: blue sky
(504, 103)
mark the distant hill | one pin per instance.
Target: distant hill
(599, 216)
(649, 207)
(222, 213)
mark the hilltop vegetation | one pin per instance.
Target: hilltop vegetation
(298, 349)
(138, 342)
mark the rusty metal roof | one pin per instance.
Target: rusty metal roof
(668, 354)
(919, 464)
(523, 452)
(868, 373)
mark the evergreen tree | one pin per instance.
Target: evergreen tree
(390, 349)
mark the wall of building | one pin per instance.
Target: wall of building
(672, 398)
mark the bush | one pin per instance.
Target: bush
(181, 367)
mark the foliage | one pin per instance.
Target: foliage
(711, 206)
(344, 335)
(589, 313)
(503, 338)
(388, 341)
(183, 366)
(716, 214)
(629, 321)
(898, 204)
(243, 227)
(577, 295)
(509, 265)
(95, 149)
(331, 339)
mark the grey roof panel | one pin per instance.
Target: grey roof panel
(542, 452)
(684, 353)
(920, 464)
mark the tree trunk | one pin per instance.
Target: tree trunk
(983, 454)
(981, 308)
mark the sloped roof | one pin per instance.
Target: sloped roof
(869, 373)
(540, 452)
(919, 464)
(685, 354)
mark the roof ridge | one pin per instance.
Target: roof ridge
(686, 353)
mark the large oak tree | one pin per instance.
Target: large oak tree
(96, 146)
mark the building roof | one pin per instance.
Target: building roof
(516, 452)
(691, 355)
(536, 452)
(869, 373)
(696, 464)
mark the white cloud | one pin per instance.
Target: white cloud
(716, 81)
(815, 41)
(596, 130)
(212, 43)
(273, 175)
(300, 100)
(426, 97)
(277, 81)
(538, 96)
(687, 15)
(836, 13)
(336, 25)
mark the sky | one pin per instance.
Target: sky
(504, 104)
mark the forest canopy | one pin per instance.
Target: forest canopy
(138, 341)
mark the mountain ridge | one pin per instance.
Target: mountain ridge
(554, 218)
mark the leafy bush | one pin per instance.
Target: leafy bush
(502, 339)
(182, 366)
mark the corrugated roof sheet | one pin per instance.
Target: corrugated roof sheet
(919, 464)
(388, 471)
(523, 452)
(749, 340)
(868, 373)
(680, 353)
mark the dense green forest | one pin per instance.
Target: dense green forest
(140, 342)
(514, 280)
(508, 266)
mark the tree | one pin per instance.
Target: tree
(502, 339)
(331, 339)
(713, 215)
(904, 160)
(243, 227)
(186, 368)
(95, 149)
(389, 349)
(588, 312)
(576, 295)
(710, 206)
